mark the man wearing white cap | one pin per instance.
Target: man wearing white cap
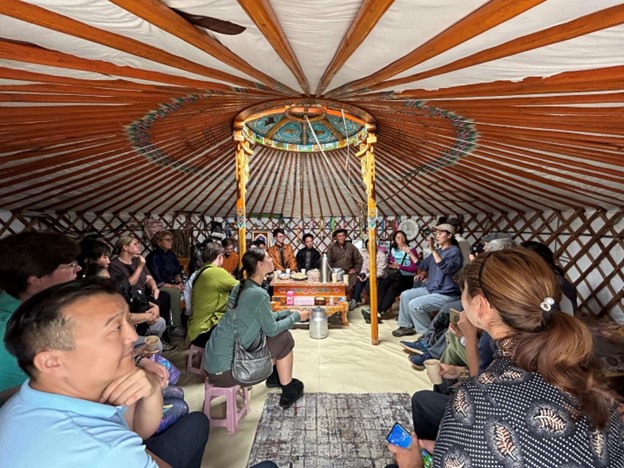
(438, 270)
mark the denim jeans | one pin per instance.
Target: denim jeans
(416, 305)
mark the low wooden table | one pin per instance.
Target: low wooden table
(332, 292)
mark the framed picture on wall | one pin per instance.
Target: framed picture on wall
(263, 234)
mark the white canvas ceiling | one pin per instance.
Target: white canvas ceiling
(480, 106)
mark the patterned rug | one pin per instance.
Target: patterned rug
(345, 430)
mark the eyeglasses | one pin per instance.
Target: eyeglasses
(74, 265)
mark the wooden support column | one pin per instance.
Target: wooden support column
(243, 151)
(368, 175)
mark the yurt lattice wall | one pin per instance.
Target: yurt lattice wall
(588, 243)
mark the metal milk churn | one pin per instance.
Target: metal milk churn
(318, 323)
(325, 269)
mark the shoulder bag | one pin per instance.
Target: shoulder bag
(251, 365)
(394, 273)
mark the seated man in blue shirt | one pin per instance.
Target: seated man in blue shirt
(438, 270)
(86, 403)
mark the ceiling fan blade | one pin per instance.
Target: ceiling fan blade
(214, 24)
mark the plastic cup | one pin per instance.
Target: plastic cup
(346, 279)
(334, 277)
(303, 271)
(432, 366)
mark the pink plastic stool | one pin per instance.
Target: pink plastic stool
(193, 350)
(232, 414)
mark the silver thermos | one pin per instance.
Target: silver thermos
(318, 323)
(325, 269)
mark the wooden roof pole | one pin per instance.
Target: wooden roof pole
(367, 156)
(243, 151)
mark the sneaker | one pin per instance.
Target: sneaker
(417, 347)
(291, 393)
(352, 304)
(178, 331)
(402, 331)
(366, 315)
(167, 346)
(418, 362)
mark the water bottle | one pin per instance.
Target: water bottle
(318, 323)
(325, 269)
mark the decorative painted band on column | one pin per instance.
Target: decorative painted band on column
(242, 175)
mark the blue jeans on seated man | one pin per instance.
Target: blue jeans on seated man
(416, 305)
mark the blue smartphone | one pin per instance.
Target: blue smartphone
(399, 436)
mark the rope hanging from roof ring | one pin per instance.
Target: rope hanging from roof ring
(344, 186)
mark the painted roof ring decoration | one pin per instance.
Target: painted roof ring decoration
(305, 125)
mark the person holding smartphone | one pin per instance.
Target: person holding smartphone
(544, 400)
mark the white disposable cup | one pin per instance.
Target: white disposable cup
(288, 271)
(432, 366)
(346, 279)
(334, 277)
(303, 271)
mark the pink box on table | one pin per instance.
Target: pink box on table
(304, 300)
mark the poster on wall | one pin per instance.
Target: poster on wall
(261, 234)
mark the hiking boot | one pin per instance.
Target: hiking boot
(273, 380)
(417, 347)
(418, 362)
(403, 331)
(291, 393)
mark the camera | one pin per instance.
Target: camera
(425, 231)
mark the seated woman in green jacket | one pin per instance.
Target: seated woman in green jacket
(211, 288)
(253, 313)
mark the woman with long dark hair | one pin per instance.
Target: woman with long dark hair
(253, 314)
(400, 259)
(543, 400)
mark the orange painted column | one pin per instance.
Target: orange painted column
(243, 151)
(368, 175)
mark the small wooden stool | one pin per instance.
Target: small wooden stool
(232, 414)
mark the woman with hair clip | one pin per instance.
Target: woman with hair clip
(253, 314)
(542, 401)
